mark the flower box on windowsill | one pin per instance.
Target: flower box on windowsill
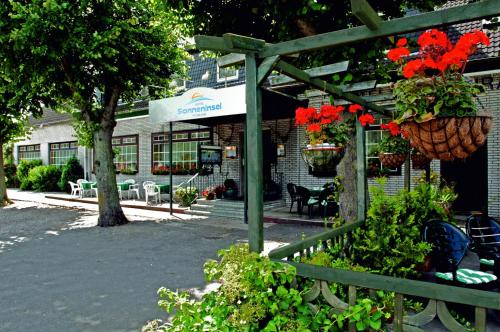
(127, 172)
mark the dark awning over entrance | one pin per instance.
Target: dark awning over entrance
(275, 106)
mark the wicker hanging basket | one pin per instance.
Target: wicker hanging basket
(419, 161)
(392, 160)
(447, 138)
(322, 158)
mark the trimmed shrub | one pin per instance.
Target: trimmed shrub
(72, 171)
(45, 178)
(185, 196)
(11, 176)
(23, 170)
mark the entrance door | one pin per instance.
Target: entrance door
(470, 177)
(268, 159)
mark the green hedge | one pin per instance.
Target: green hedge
(11, 176)
(23, 171)
(45, 178)
(72, 171)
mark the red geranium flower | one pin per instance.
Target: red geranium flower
(366, 119)
(314, 128)
(397, 53)
(392, 127)
(434, 38)
(412, 67)
(402, 42)
(354, 108)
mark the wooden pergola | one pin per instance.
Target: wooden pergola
(261, 58)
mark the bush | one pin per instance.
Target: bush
(11, 176)
(23, 170)
(72, 171)
(185, 196)
(389, 242)
(45, 178)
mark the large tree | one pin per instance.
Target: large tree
(116, 47)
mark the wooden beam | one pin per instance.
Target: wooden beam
(231, 59)
(314, 72)
(266, 67)
(302, 76)
(366, 14)
(218, 44)
(361, 185)
(243, 42)
(473, 11)
(253, 162)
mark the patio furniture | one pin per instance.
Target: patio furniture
(306, 199)
(151, 190)
(484, 236)
(75, 189)
(94, 189)
(450, 245)
(85, 187)
(133, 187)
(122, 186)
(292, 191)
(328, 207)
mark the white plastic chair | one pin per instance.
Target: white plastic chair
(133, 187)
(83, 191)
(75, 189)
(93, 189)
(152, 191)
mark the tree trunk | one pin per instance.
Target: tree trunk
(4, 200)
(346, 170)
(110, 210)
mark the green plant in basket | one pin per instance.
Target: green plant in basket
(434, 84)
(393, 144)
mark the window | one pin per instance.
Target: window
(60, 153)
(184, 148)
(373, 135)
(126, 149)
(28, 152)
(227, 74)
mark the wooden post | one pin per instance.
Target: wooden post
(407, 175)
(170, 148)
(254, 190)
(361, 171)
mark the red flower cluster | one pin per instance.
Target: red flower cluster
(437, 52)
(328, 114)
(366, 119)
(392, 127)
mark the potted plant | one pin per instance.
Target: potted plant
(435, 102)
(160, 170)
(392, 149)
(218, 191)
(128, 171)
(326, 133)
(418, 160)
(231, 189)
(209, 193)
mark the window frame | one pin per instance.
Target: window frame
(34, 150)
(188, 139)
(229, 78)
(63, 149)
(389, 171)
(121, 137)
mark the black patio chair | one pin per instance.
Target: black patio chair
(305, 199)
(449, 246)
(292, 191)
(484, 236)
(327, 207)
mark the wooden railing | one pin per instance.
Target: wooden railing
(437, 294)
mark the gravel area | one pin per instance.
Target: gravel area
(59, 272)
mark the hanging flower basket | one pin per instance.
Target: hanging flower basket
(419, 161)
(447, 138)
(392, 160)
(322, 158)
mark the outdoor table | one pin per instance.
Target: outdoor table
(123, 186)
(163, 188)
(88, 185)
(315, 191)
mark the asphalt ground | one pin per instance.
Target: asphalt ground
(60, 272)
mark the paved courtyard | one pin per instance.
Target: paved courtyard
(58, 272)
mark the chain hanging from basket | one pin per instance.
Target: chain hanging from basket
(435, 103)
(327, 133)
